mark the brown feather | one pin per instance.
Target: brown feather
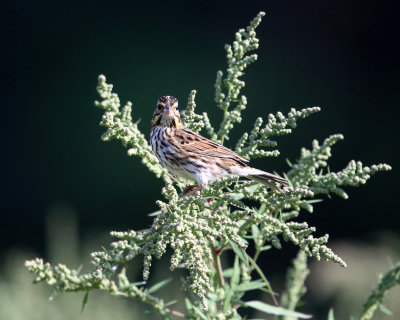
(268, 181)
(192, 142)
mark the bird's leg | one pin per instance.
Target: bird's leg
(186, 190)
(194, 189)
(189, 188)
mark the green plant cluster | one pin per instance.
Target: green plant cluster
(200, 228)
(375, 299)
(118, 122)
(249, 145)
(227, 90)
(296, 276)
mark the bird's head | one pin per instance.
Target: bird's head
(166, 113)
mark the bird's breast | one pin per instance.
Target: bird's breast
(166, 153)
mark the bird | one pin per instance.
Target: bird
(187, 154)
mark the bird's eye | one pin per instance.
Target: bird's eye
(159, 107)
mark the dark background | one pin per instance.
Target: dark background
(339, 55)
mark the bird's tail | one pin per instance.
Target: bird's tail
(265, 178)
(268, 180)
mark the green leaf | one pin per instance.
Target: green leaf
(155, 213)
(262, 208)
(236, 273)
(240, 252)
(133, 284)
(252, 285)
(256, 233)
(212, 297)
(385, 310)
(314, 200)
(140, 283)
(278, 311)
(85, 300)
(200, 313)
(78, 271)
(331, 316)
(228, 297)
(236, 196)
(188, 304)
(227, 273)
(253, 187)
(159, 285)
(125, 284)
(170, 303)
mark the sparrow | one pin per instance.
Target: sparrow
(185, 153)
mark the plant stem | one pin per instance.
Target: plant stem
(256, 255)
(217, 266)
(225, 114)
(264, 278)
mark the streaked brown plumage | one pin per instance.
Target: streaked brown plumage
(187, 154)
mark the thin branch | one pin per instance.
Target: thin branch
(218, 266)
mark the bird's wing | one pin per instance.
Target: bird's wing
(192, 142)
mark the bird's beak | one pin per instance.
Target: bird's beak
(168, 109)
